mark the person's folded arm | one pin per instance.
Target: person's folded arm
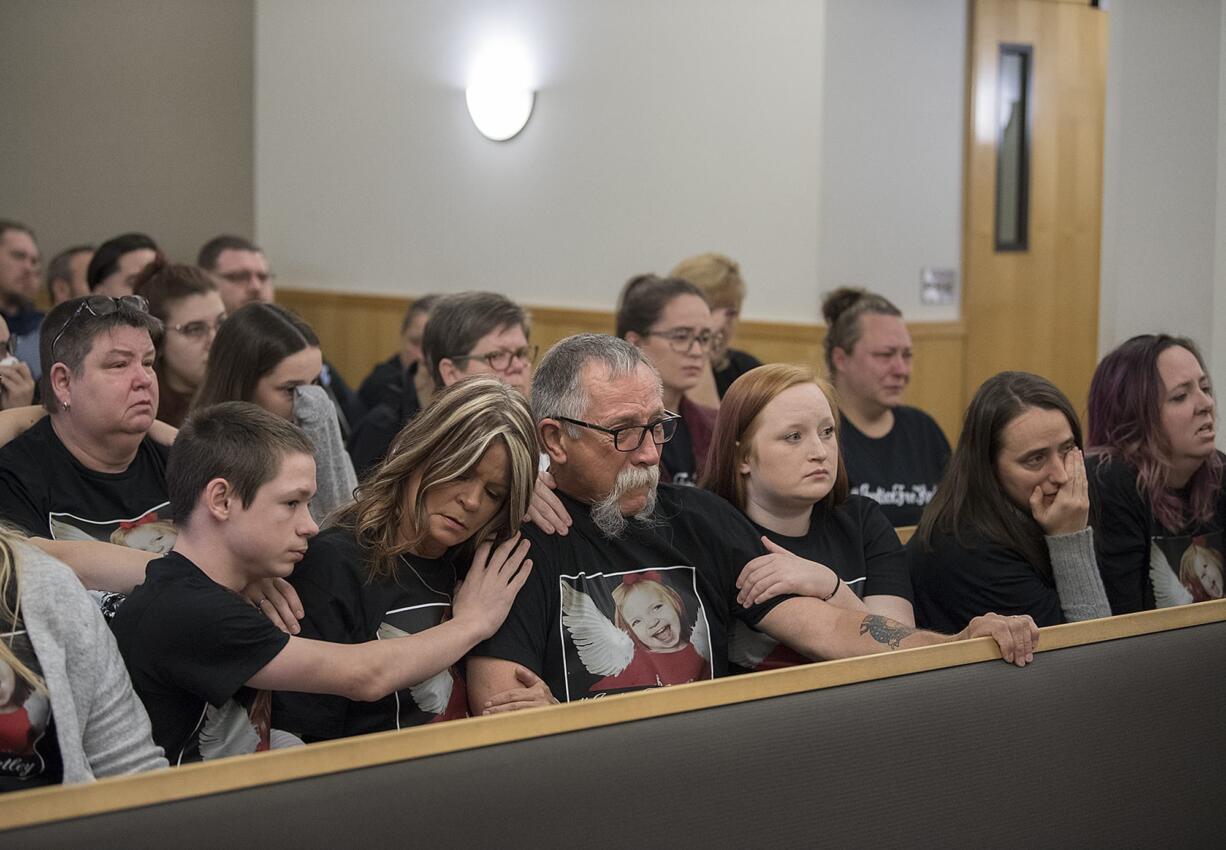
(107, 567)
(496, 686)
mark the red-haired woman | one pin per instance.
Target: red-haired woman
(1155, 474)
(775, 456)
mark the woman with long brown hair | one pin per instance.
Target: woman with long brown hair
(1008, 530)
(455, 485)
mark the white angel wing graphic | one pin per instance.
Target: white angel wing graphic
(748, 648)
(604, 649)
(61, 530)
(700, 637)
(1168, 590)
(227, 731)
(432, 695)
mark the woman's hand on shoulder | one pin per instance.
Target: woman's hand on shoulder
(278, 601)
(546, 510)
(779, 572)
(1069, 512)
(485, 595)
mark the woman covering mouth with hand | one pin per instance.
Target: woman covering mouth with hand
(1156, 475)
(775, 456)
(1008, 528)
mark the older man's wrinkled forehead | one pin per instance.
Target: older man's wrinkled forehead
(608, 393)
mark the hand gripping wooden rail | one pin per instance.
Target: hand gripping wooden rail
(1113, 736)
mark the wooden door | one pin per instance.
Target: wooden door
(1034, 306)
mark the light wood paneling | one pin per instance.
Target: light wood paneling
(1037, 310)
(357, 331)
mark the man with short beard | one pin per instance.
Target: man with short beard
(642, 591)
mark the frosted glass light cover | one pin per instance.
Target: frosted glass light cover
(499, 111)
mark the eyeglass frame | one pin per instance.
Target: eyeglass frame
(213, 326)
(135, 303)
(527, 353)
(668, 417)
(691, 338)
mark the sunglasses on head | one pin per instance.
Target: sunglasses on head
(99, 306)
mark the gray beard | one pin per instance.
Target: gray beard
(607, 514)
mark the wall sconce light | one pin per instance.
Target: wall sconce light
(499, 94)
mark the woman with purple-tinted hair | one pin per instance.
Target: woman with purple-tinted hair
(1155, 474)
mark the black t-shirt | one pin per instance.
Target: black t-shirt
(373, 435)
(29, 749)
(376, 386)
(342, 606)
(190, 646)
(649, 609)
(739, 362)
(899, 471)
(46, 492)
(859, 544)
(955, 583)
(1143, 564)
(678, 456)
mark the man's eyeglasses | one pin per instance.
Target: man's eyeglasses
(630, 437)
(681, 340)
(99, 306)
(199, 329)
(500, 360)
(243, 277)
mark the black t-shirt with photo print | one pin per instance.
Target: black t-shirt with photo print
(343, 606)
(859, 544)
(901, 470)
(46, 492)
(1143, 564)
(190, 646)
(29, 749)
(651, 608)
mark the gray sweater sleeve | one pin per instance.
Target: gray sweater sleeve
(335, 480)
(102, 725)
(1078, 582)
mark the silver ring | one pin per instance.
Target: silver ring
(263, 599)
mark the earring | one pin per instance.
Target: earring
(67, 405)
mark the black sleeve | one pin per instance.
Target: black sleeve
(372, 436)
(732, 542)
(1121, 535)
(522, 637)
(885, 560)
(331, 597)
(964, 583)
(19, 507)
(215, 648)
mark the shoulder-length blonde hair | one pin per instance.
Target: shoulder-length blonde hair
(443, 443)
(10, 609)
(739, 420)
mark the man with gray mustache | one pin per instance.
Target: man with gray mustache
(642, 590)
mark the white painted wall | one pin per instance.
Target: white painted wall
(1218, 354)
(660, 130)
(892, 129)
(122, 115)
(1162, 171)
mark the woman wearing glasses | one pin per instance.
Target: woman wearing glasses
(669, 320)
(186, 300)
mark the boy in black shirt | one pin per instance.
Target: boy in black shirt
(646, 578)
(240, 480)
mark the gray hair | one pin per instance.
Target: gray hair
(557, 386)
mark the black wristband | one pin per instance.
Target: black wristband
(838, 582)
